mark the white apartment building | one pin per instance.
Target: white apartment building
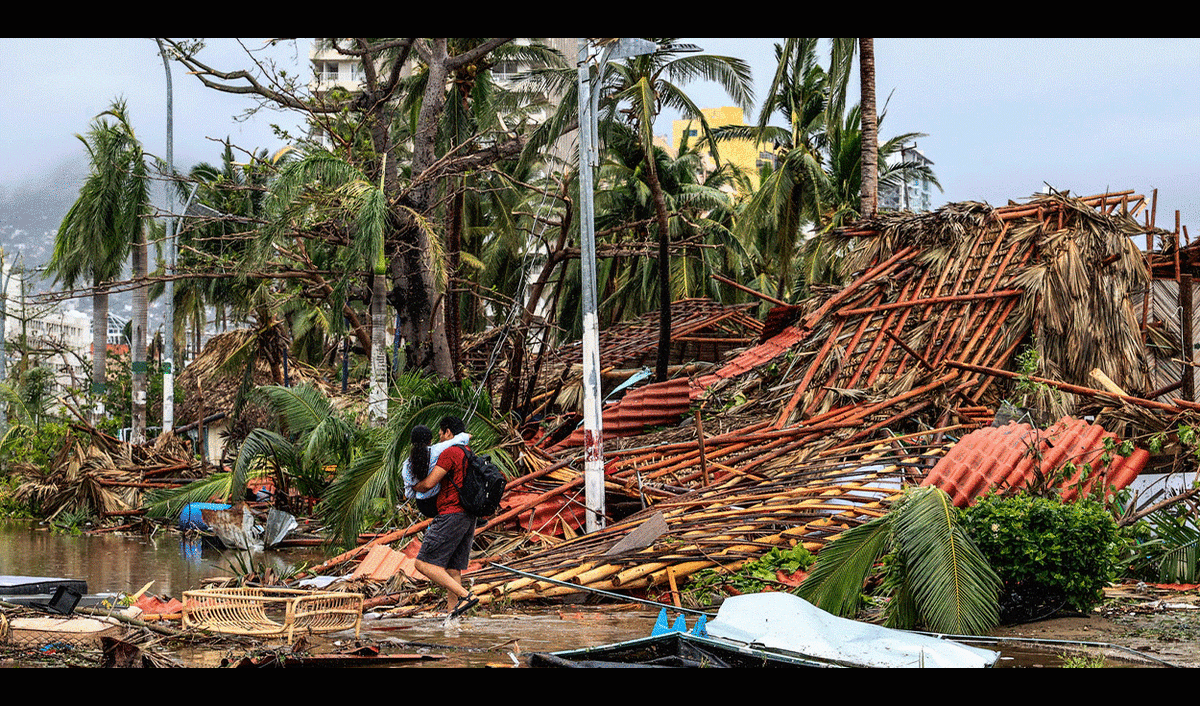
(58, 336)
(913, 194)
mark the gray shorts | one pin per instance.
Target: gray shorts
(447, 542)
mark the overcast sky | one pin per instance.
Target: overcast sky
(1003, 117)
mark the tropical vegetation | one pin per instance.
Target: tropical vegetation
(933, 573)
(432, 206)
(1049, 553)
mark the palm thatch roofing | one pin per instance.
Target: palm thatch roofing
(237, 362)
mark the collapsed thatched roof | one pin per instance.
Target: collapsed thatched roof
(860, 392)
(964, 284)
(211, 383)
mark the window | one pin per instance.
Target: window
(327, 71)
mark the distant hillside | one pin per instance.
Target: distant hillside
(30, 214)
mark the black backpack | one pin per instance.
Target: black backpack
(483, 485)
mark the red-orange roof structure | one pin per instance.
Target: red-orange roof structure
(1015, 456)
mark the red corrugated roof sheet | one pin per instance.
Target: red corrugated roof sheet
(654, 405)
(1012, 456)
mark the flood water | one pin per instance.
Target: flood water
(111, 563)
(490, 636)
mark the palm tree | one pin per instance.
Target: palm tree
(870, 126)
(103, 224)
(700, 210)
(937, 576)
(806, 97)
(348, 196)
(639, 87)
(843, 198)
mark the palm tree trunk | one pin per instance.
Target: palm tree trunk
(450, 310)
(138, 346)
(99, 349)
(664, 272)
(378, 392)
(870, 127)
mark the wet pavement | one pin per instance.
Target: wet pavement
(482, 639)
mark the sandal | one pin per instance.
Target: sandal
(464, 604)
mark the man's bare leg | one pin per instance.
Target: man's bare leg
(451, 580)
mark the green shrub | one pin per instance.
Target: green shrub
(1047, 552)
(37, 447)
(706, 586)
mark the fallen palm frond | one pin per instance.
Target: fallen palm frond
(96, 474)
(939, 576)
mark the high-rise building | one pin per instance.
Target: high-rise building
(911, 193)
(747, 155)
(55, 337)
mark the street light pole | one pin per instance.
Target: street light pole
(589, 159)
(168, 411)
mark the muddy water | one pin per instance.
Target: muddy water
(111, 563)
(486, 638)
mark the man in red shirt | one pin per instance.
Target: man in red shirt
(446, 546)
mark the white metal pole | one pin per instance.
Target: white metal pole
(593, 444)
(168, 411)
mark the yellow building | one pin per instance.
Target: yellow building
(743, 154)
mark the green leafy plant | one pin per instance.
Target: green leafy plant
(1165, 547)
(936, 576)
(1083, 662)
(70, 521)
(710, 584)
(1048, 553)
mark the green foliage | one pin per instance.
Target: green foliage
(163, 504)
(936, 575)
(35, 447)
(314, 438)
(1042, 546)
(1083, 662)
(374, 472)
(118, 395)
(710, 584)
(1164, 546)
(10, 507)
(71, 521)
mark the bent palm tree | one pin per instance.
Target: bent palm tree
(103, 224)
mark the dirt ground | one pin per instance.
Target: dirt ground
(1161, 623)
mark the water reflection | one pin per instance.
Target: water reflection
(112, 563)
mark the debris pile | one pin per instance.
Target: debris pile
(860, 390)
(95, 472)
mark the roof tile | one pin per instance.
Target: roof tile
(1015, 455)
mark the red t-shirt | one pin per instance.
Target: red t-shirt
(454, 461)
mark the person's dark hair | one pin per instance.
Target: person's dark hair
(454, 424)
(418, 453)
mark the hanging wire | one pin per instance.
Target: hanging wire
(526, 257)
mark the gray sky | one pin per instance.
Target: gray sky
(1002, 116)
